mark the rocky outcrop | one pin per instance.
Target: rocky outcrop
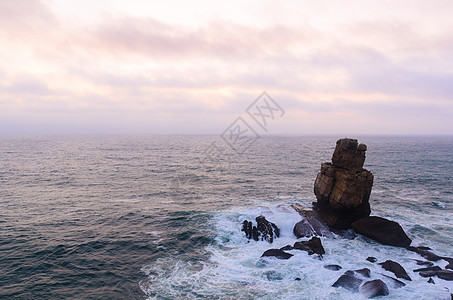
(303, 229)
(312, 246)
(365, 272)
(393, 282)
(313, 224)
(423, 251)
(333, 267)
(445, 275)
(374, 288)
(277, 253)
(371, 259)
(382, 230)
(343, 187)
(349, 281)
(264, 230)
(395, 268)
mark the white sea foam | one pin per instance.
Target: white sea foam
(236, 271)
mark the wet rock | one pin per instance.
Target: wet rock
(264, 230)
(349, 281)
(255, 233)
(396, 269)
(312, 246)
(424, 263)
(445, 275)
(433, 268)
(429, 273)
(393, 282)
(431, 280)
(312, 222)
(371, 259)
(423, 248)
(374, 288)
(343, 187)
(277, 253)
(287, 247)
(345, 233)
(297, 279)
(333, 267)
(424, 253)
(365, 272)
(247, 228)
(341, 220)
(382, 230)
(303, 229)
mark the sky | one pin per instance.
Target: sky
(193, 67)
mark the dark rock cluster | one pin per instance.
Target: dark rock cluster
(264, 230)
(312, 246)
(343, 189)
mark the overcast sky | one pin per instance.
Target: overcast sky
(335, 67)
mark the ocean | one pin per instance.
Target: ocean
(159, 217)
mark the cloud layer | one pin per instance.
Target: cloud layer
(362, 68)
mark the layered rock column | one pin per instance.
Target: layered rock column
(343, 187)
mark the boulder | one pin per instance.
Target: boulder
(349, 281)
(303, 229)
(374, 288)
(393, 282)
(343, 187)
(371, 259)
(333, 267)
(423, 263)
(433, 268)
(382, 230)
(287, 247)
(312, 223)
(445, 275)
(428, 273)
(425, 253)
(396, 269)
(264, 230)
(312, 246)
(365, 272)
(277, 253)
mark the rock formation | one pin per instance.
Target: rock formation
(343, 187)
(349, 280)
(382, 230)
(312, 246)
(264, 230)
(374, 288)
(277, 253)
(395, 268)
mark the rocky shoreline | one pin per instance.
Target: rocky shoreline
(342, 210)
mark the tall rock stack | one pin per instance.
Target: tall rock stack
(343, 187)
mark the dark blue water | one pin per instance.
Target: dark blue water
(118, 216)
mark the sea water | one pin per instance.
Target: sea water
(141, 217)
